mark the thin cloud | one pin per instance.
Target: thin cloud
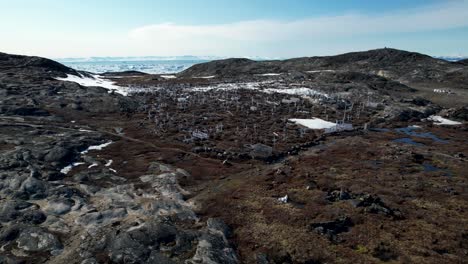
(235, 38)
(267, 38)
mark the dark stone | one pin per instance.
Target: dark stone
(157, 257)
(335, 196)
(34, 239)
(58, 154)
(384, 252)
(29, 111)
(34, 217)
(34, 188)
(10, 233)
(418, 158)
(219, 225)
(81, 177)
(332, 228)
(11, 210)
(421, 101)
(53, 176)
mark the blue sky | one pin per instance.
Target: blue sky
(267, 28)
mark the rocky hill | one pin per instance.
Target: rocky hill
(32, 66)
(397, 65)
(464, 62)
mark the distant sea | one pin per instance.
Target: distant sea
(148, 65)
(154, 65)
(151, 64)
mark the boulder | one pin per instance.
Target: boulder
(36, 239)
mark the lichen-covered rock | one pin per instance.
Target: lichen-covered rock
(35, 239)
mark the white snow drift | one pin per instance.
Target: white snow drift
(97, 147)
(270, 74)
(297, 91)
(169, 76)
(314, 123)
(438, 120)
(68, 168)
(205, 77)
(95, 80)
(328, 127)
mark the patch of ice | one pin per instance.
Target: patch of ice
(314, 123)
(68, 168)
(284, 199)
(169, 76)
(98, 147)
(109, 163)
(438, 120)
(95, 80)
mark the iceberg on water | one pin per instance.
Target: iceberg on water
(95, 80)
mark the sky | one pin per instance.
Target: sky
(231, 28)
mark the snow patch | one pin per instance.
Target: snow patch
(300, 91)
(95, 81)
(85, 130)
(205, 77)
(229, 87)
(93, 165)
(109, 163)
(314, 123)
(270, 74)
(97, 147)
(297, 91)
(438, 120)
(443, 91)
(169, 76)
(284, 199)
(68, 168)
